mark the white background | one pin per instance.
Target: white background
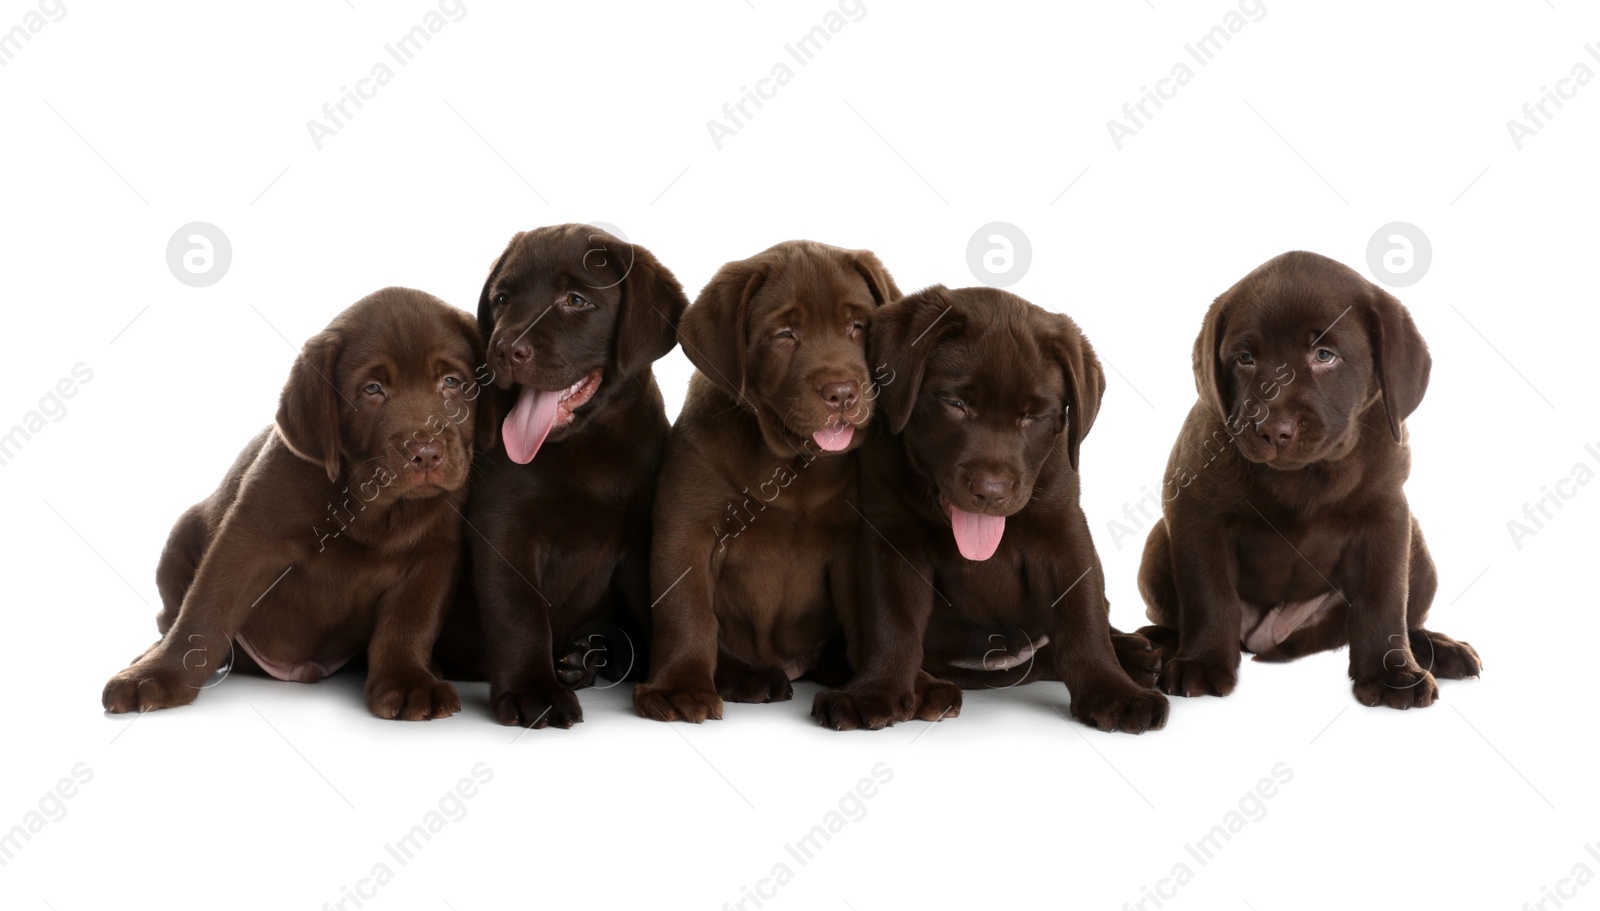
(911, 128)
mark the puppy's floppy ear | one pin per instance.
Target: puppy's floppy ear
(308, 409)
(1209, 379)
(714, 329)
(871, 269)
(652, 300)
(900, 338)
(1399, 356)
(483, 396)
(1086, 382)
(485, 310)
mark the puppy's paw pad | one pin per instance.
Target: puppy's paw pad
(862, 709)
(604, 652)
(1399, 688)
(529, 708)
(418, 698)
(142, 688)
(672, 703)
(1198, 677)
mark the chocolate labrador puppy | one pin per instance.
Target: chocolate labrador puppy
(977, 566)
(754, 563)
(1286, 529)
(559, 522)
(336, 533)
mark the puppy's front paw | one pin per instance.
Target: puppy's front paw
(870, 708)
(1199, 676)
(937, 699)
(1121, 708)
(1397, 688)
(754, 684)
(415, 697)
(1140, 658)
(668, 702)
(145, 686)
(1444, 657)
(536, 708)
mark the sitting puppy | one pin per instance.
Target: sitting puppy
(1286, 530)
(560, 513)
(336, 532)
(977, 565)
(754, 559)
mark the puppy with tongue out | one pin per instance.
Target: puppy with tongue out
(753, 563)
(977, 569)
(573, 317)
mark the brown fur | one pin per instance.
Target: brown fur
(336, 532)
(562, 543)
(753, 567)
(1285, 488)
(987, 401)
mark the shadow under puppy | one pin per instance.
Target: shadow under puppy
(977, 565)
(1286, 529)
(336, 533)
(753, 566)
(559, 520)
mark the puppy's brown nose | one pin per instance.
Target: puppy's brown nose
(424, 456)
(990, 491)
(1278, 431)
(511, 354)
(841, 396)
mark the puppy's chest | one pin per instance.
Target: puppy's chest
(1003, 588)
(1290, 559)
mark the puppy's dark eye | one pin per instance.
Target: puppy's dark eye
(957, 404)
(501, 299)
(576, 301)
(856, 329)
(783, 333)
(373, 389)
(1031, 418)
(1324, 356)
(1246, 359)
(451, 382)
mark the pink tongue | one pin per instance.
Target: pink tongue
(977, 536)
(834, 439)
(529, 423)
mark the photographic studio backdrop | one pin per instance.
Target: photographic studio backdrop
(191, 191)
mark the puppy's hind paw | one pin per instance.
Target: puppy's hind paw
(1140, 657)
(1198, 677)
(1444, 657)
